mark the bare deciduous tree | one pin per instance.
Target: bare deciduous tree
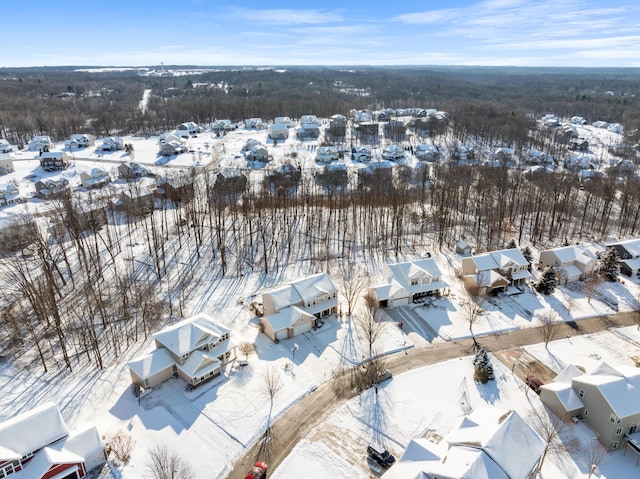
(594, 453)
(272, 385)
(164, 463)
(369, 325)
(593, 281)
(246, 348)
(353, 277)
(121, 444)
(550, 324)
(549, 426)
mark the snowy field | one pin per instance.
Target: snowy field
(213, 425)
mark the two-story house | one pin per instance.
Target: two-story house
(405, 282)
(629, 254)
(79, 141)
(40, 143)
(295, 307)
(572, 263)
(6, 163)
(495, 271)
(54, 160)
(607, 399)
(195, 349)
(38, 445)
(94, 178)
(188, 129)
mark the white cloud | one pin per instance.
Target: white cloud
(286, 16)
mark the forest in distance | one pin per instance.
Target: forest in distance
(87, 286)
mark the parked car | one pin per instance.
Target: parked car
(384, 375)
(380, 455)
(258, 471)
(534, 383)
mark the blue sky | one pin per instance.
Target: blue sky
(586, 33)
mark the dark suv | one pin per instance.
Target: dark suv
(380, 455)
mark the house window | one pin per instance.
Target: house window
(614, 445)
(586, 412)
(414, 282)
(633, 429)
(618, 431)
(581, 393)
(612, 418)
(8, 469)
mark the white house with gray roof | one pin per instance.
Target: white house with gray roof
(573, 262)
(194, 349)
(294, 308)
(607, 399)
(407, 281)
(495, 270)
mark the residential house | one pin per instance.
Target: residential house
(327, 154)
(296, 307)
(377, 174)
(338, 121)
(285, 121)
(368, 130)
(424, 152)
(629, 254)
(335, 175)
(195, 349)
(6, 163)
(361, 153)
(601, 124)
(284, 177)
(223, 126)
(40, 143)
(175, 189)
(393, 153)
(258, 153)
(278, 132)
(310, 119)
(572, 263)
(403, 283)
(254, 124)
(50, 187)
(488, 443)
(79, 141)
(94, 178)
(171, 148)
(112, 143)
(578, 120)
(230, 182)
(607, 399)
(54, 160)
(171, 136)
(579, 144)
(135, 201)
(494, 271)
(5, 147)
(9, 194)
(37, 444)
(188, 129)
(250, 143)
(308, 131)
(130, 170)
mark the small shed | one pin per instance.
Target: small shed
(462, 247)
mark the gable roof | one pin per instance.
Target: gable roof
(152, 363)
(302, 290)
(190, 334)
(500, 259)
(30, 431)
(573, 254)
(620, 387)
(286, 318)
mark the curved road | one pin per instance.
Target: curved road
(313, 409)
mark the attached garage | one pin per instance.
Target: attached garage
(287, 323)
(152, 369)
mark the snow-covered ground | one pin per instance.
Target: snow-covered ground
(213, 425)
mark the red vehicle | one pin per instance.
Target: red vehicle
(258, 471)
(534, 383)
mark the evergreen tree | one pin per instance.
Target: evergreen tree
(609, 265)
(512, 244)
(483, 371)
(548, 282)
(528, 255)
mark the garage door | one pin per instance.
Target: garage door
(303, 328)
(283, 334)
(399, 302)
